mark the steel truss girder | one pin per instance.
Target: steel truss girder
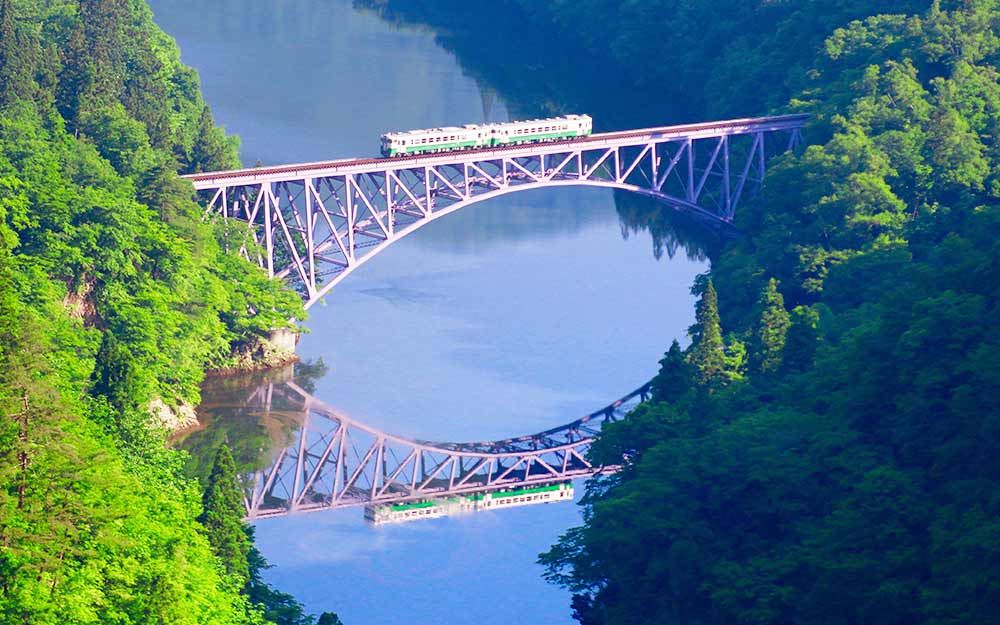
(336, 462)
(315, 224)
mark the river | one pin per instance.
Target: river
(506, 318)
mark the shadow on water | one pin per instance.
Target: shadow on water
(526, 65)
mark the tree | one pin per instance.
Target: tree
(707, 353)
(15, 59)
(801, 339)
(114, 374)
(329, 618)
(222, 517)
(772, 327)
(852, 479)
(674, 378)
(212, 150)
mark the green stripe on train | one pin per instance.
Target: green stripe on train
(527, 491)
(412, 506)
(557, 135)
(431, 147)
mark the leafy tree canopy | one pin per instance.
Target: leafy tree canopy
(849, 475)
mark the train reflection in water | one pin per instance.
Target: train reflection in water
(467, 504)
(296, 454)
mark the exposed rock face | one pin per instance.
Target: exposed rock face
(79, 305)
(277, 350)
(284, 339)
(173, 418)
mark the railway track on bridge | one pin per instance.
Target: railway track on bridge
(314, 223)
(209, 179)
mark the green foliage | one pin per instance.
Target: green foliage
(674, 376)
(329, 618)
(850, 475)
(83, 538)
(722, 58)
(222, 516)
(714, 360)
(113, 295)
(771, 330)
(707, 353)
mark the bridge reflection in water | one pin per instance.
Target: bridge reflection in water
(337, 462)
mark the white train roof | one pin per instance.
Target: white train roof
(466, 127)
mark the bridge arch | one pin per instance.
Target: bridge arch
(338, 462)
(315, 223)
(452, 208)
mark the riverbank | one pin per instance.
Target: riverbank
(276, 351)
(115, 296)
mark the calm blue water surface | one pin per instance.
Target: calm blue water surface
(508, 317)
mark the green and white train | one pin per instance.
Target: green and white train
(472, 136)
(381, 514)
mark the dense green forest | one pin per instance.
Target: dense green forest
(825, 449)
(115, 297)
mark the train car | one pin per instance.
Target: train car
(472, 136)
(431, 140)
(538, 130)
(381, 514)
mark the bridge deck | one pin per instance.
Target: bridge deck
(315, 223)
(211, 180)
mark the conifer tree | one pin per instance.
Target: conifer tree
(801, 339)
(329, 618)
(114, 375)
(772, 327)
(673, 379)
(105, 23)
(222, 517)
(8, 48)
(707, 353)
(211, 149)
(15, 63)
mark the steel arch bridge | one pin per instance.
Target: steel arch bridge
(337, 462)
(315, 223)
